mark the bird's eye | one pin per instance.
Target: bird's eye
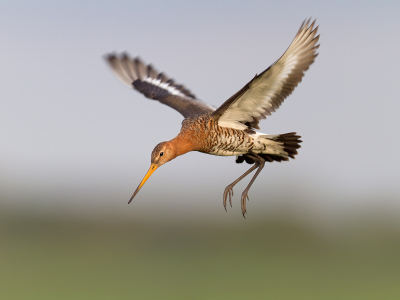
(161, 153)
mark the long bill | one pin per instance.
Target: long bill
(153, 167)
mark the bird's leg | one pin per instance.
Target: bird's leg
(261, 163)
(229, 188)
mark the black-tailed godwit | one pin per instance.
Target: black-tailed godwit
(230, 129)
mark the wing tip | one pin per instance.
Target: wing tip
(130, 69)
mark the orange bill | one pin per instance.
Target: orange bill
(153, 167)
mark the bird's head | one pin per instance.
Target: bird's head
(162, 153)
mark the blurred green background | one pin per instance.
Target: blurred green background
(75, 143)
(275, 257)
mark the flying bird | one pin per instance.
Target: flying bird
(230, 129)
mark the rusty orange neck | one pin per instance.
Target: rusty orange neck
(182, 144)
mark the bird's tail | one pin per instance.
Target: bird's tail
(287, 144)
(290, 143)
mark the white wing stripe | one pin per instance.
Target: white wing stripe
(165, 86)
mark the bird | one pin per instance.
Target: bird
(229, 130)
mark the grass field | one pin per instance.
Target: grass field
(62, 257)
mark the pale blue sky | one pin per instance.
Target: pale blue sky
(72, 133)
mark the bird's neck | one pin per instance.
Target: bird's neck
(182, 144)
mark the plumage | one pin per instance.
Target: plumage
(265, 92)
(145, 79)
(230, 129)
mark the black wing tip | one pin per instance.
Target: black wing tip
(114, 55)
(137, 70)
(138, 60)
(110, 56)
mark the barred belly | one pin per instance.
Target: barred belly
(231, 142)
(242, 143)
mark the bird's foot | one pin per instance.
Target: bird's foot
(245, 197)
(228, 191)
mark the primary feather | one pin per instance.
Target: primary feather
(154, 85)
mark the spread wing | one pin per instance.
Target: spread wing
(265, 92)
(154, 85)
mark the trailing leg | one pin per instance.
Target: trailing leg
(260, 162)
(229, 188)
